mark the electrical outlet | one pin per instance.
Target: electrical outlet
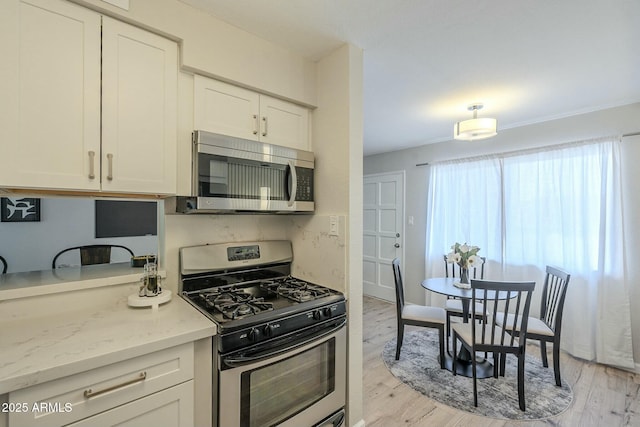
(333, 225)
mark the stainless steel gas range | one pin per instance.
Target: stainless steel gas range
(280, 353)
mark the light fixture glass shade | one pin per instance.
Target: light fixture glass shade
(472, 129)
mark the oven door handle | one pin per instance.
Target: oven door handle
(235, 362)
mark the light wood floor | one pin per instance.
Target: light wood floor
(603, 396)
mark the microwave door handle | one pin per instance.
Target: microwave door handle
(293, 175)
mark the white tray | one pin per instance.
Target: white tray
(462, 285)
(136, 300)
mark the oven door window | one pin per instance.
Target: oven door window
(276, 392)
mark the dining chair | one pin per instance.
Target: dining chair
(453, 305)
(548, 326)
(92, 254)
(416, 315)
(488, 336)
(4, 265)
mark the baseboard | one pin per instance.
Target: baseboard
(359, 424)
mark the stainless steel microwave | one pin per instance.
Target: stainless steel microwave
(234, 175)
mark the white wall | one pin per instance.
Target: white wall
(337, 260)
(64, 222)
(613, 121)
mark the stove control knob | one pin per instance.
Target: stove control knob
(326, 311)
(317, 315)
(254, 334)
(268, 330)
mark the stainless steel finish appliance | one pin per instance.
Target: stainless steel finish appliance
(231, 175)
(280, 352)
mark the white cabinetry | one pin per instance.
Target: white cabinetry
(139, 102)
(231, 110)
(155, 389)
(55, 102)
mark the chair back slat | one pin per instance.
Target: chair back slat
(553, 296)
(506, 298)
(397, 277)
(552, 299)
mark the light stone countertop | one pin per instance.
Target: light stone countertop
(49, 337)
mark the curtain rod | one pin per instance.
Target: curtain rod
(623, 136)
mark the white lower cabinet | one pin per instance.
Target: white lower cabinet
(172, 407)
(154, 389)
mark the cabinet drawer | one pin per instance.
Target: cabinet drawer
(172, 407)
(78, 396)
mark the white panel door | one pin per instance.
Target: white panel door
(383, 234)
(284, 123)
(139, 104)
(225, 109)
(50, 95)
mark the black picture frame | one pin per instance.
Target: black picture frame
(22, 209)
(117, 218)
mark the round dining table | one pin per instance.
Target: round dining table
(445, 286)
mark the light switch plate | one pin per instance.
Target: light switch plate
(333, 225)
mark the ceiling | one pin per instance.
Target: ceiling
(425, 61)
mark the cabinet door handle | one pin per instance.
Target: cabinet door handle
(88, 393)
(110, 167)
(92, 164)
(256, 124)
(264, 120)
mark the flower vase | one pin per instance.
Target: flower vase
(464, 275)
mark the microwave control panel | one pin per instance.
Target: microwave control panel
(305, 185)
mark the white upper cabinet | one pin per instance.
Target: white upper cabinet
(284, 123)
(139, 118)
(225, 109)
(50, 103)
(51, 118)
(231, 110)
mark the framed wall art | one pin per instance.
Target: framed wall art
(19, 209)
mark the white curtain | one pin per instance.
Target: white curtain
(464, 205)
(560, 206)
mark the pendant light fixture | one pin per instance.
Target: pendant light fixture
(472, 129)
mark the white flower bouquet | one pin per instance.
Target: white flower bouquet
(466, 257)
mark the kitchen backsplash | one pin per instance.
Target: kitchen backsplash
(318, 257)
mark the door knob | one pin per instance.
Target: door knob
(397, 245)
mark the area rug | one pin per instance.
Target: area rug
(419, 368)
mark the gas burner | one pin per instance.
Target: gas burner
(239, 309)
(295, 289)
(243, 310)
(216, 297)
(301, 295)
